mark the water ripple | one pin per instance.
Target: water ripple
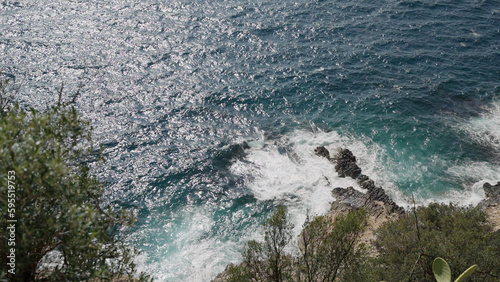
(177, 90)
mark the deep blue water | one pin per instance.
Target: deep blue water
(209, 111)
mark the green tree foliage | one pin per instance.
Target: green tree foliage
(277, 235)
(62, 231)
(267, 261)
(461, 235)
(331, 250)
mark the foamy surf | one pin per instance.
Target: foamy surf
(485, 129)
(191, 252)
(470, 178)
(287, 171)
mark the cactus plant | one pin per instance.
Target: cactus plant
(442, 271)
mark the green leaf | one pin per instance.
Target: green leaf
(441, 270)
(466, 273)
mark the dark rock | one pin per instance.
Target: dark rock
(322, 152)
(367, 184)
(351, 197)
(362, 178)
(492, 191)
(345, 164)
(357, 199)
(354, 199)
(394, 208)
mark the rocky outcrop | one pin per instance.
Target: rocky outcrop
(322, 152)
(491, 204)
(377, 193)
(348, 199)
(492, 193)
(346, 166)
(351, 197)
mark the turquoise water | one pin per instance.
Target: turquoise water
(209, 111)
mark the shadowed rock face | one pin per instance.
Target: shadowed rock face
(345, 161)
(492, 193)
(322, 152)
(376, 193)
(345, 165)
(351, 197)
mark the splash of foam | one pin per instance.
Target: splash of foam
(287, 171)
(485, 129)
(471, 176)
(193, 254)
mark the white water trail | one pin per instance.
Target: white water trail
(191, 254)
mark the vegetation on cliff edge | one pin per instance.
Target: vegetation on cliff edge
(331, 250)
(59, 228)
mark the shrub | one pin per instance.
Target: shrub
(62, 231)
(267, 261)
(330, 250)
(461, 235)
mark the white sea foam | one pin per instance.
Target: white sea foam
(288, 171)
(471, 177)
(192, 255)
(485, 129)
(285, 170)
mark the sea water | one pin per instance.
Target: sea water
(209, 111)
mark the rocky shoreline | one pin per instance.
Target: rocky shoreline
(345, 165)
(380, 206)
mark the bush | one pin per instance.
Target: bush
(330, 250)
(62, 231)
(267, 261)
(461, 235)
